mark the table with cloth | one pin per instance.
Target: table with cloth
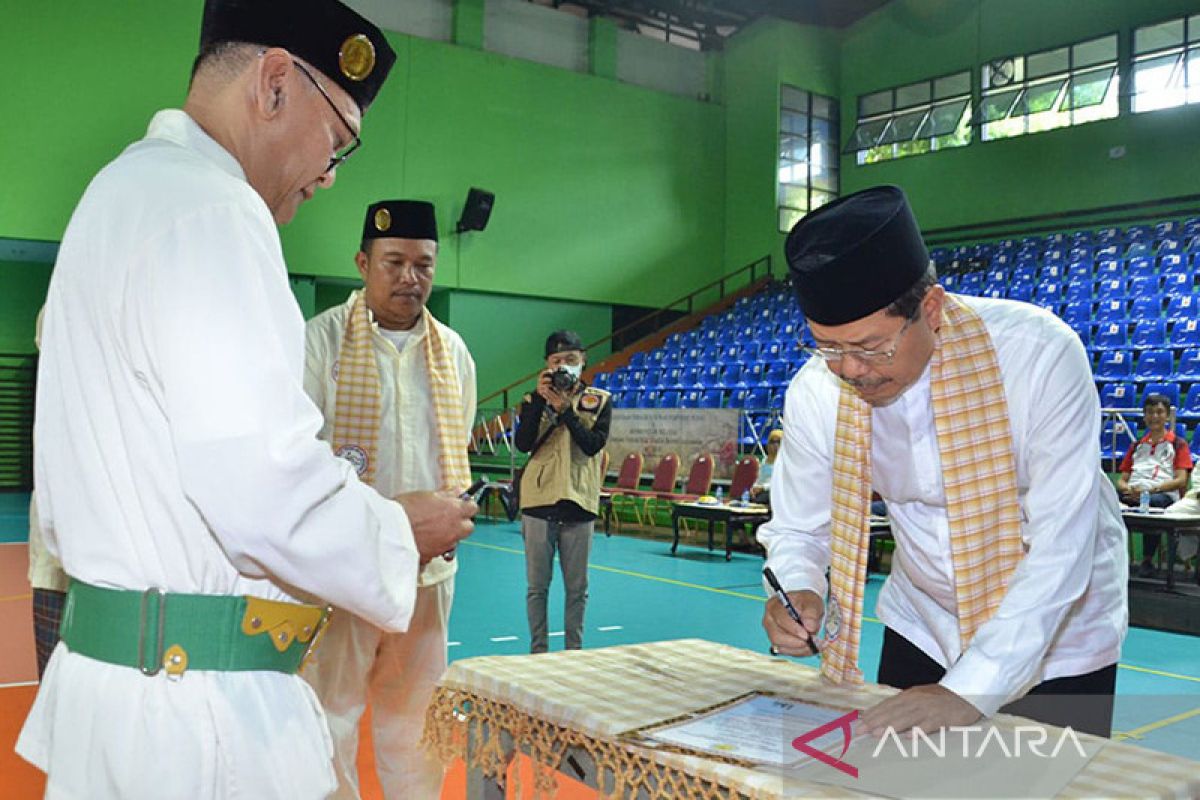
(569, 710)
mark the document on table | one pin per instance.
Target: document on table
(756, 728)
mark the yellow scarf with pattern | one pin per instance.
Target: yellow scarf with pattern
(970, 415)
(358, 413)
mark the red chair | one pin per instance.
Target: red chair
(699, 483)
(627, 484)
(665, 475)
(745, 475)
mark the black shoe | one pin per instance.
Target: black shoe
(1147, 570)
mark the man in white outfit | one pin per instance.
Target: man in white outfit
(977, 422)
(178, 471)
(416, 367)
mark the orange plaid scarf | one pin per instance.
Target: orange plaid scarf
(970, 415)
(358, 413)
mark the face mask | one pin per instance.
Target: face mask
(575, 369)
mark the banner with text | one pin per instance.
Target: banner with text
(654, 432)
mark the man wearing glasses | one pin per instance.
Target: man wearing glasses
(977, 422)
(179, 475)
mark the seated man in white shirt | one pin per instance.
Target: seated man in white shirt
(415, 367)
(977, 422)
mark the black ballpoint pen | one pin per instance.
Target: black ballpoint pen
(791, 609)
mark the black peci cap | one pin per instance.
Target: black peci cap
(339, 42)
(400, 219)
(856, 255)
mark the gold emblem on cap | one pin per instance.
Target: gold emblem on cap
(357, 57)
(383, 220)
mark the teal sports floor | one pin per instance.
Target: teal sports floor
(639, 592)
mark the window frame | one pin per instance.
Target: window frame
(866, 152)
(783, 210)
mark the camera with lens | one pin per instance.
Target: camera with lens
(562, 379)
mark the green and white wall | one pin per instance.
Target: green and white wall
(607, 192)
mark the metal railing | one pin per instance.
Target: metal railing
(18, 373)
(752, 274)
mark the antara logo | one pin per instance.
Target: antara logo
(843, 722)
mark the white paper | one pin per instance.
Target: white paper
(758, 728)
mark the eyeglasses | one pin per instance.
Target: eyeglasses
(863, 356)
(338, 158)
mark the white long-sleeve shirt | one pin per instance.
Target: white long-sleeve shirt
(1065, 610)
(175, 448)
(408, 449)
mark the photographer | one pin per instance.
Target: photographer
(564, 427)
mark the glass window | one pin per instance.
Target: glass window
(1166, 64)
(916, 118)
(1049, 89)
(807, 174)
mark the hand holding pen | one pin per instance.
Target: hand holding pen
(473, 494)
(772, 624)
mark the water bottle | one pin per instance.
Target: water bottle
(746, 497)
(1144, 502)
(720, 495)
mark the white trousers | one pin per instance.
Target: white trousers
(358, 663)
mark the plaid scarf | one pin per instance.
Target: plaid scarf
(357, 416)
(970, 415)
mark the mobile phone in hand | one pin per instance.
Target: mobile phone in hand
(474, 493)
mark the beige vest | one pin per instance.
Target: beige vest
(561, 471)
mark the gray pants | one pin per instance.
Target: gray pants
(573, 540)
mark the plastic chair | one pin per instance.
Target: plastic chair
(1115, 439)
(1154, 365)
(1191, 404)
(1149, 334)
(1115, 365)
(1117, 395)
(1171, 390)
(1110, 336)
(712, 398)
(1181, 307)
(1111, 311)
(1188, 368)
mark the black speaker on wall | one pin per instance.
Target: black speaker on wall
(476, 210)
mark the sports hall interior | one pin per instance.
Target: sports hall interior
(647, 160)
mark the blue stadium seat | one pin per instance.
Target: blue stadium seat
(1138, 233)
(1108, 235)
(1079, 289)
(758, 398)
(1077, 311)
(1080, 270)
(1020, 291)
(710, 353)
(1177, 284)
(1117, 395)
(1140, 267)
(1147, 306)
(1107, 269)
(1136, 249)
(1174, 263)
(668, 398)
(1053, 271)
(689, 377)
(631, 400)
(1170, 389)
(1025, 274)
(1115, 439)
(638, 360)
(1114, 365)
(602, 380)
(1112, 289)
(749, 353)
(731, 376)
(1055, 254)
(949, 282)
(711, 375)
(1048, 292)
(1154, 365)
(650, 398)
(771, 351)
(1111, 311)
(1081, 238)
(711, 399)
(995, 275)
(1166, 228)
(654, 378)
(777, 374)
(1181, 307)
(997, 291)
(1139, 285)
(671, 358)
(691, 398)
(730, 354)
(1191, 403)
(1083, 329)
(1108, 250)
(635, 378)
(1149, 334)
(1079, 254)
(1188, 368)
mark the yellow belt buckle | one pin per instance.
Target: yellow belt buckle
(316, 637)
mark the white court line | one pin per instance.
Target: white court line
(610, 628)
(556, 633)
(18, 683)
(453, 644)
(504, 638)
